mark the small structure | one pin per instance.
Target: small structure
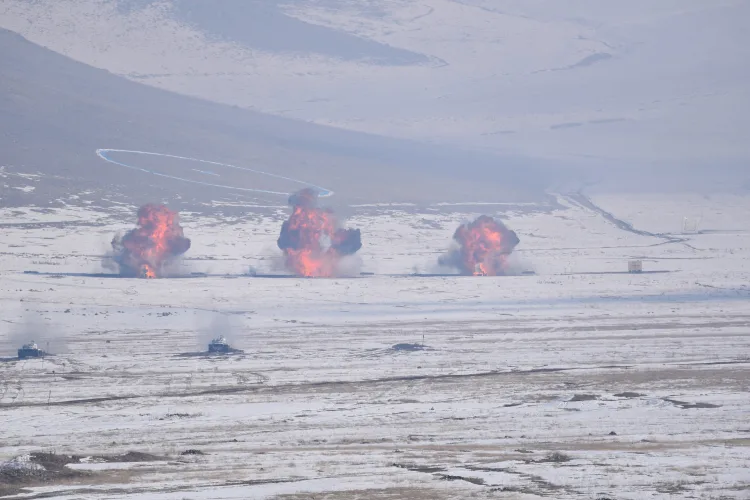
(635, 266)
(30, 350)
(219, 345)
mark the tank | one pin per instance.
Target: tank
(219, 345)
(30, 350)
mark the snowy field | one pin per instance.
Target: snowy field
(577, 382)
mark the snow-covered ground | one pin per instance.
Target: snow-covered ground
(597, 81)
(560, 385)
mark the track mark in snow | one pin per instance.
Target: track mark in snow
(103, 154)
(584, 201)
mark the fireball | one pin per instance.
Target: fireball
(145, 250)
(312, 241)
(483, 247)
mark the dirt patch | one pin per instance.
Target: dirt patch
(473, 480)
(538, 485)
(131, 456)
(555, 457)
(419, 468)
(686, 406)
(6, 491)
(629, 395)
(584, 397)
(673, 488)
(373, 494)
(44, 469)
(174, 416)
(36, 469)
(192, 452)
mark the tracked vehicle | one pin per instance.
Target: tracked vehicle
(219, 345)
(30, 350)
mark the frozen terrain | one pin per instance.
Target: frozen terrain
(570, 379)
(578, 382)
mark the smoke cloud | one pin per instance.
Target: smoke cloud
(31, 326)
(312, 239)
(482, 248)
(147, 250)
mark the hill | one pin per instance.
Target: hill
(58, 112)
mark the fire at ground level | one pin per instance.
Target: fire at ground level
(266, 276)
(362, 275)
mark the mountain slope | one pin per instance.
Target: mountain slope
(657, 87)
(57, 112)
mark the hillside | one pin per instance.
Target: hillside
(58, 112)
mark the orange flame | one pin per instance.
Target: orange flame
(479, 270)
(312, 225)
(144, 250)
(147, 272)
(484, 246)
(311, 240)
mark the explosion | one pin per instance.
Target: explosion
(145, 250)
(312, 240)
(483, 248)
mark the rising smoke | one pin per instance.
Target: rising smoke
(146, 250)
(482, 248)
(218, 324)
(33, 326)
(312, 239)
